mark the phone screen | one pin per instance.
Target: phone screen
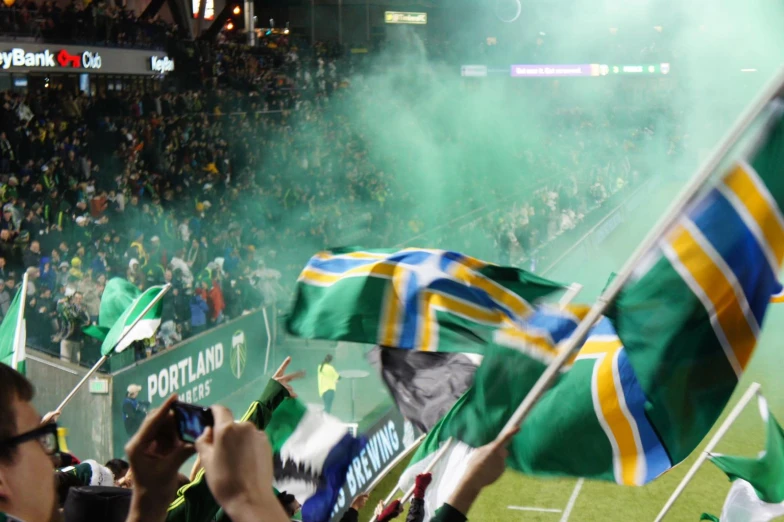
(191, 420)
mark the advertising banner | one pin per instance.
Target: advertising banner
(22, 57)
(555, 71)
(204, 371)
(386, 440)
(397, 17)
(473, 71)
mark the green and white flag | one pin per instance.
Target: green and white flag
(757, 492)
(312, 454)
(13, 335)
(121, 291)
(90, 473)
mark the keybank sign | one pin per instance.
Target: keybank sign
(19, 57)
(161, 64)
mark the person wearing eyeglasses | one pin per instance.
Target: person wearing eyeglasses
(27, 488)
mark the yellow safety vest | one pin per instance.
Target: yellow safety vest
(327, 378)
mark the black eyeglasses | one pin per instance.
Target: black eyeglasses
(46, 435)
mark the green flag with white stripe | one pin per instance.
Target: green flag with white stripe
(119, 337)
(13, 334)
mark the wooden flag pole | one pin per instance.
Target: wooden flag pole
(698, 181)
(103, 359)
(728, 422)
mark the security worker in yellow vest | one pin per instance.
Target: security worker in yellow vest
(327, 382)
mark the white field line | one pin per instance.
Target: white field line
(572, 500)
(526, 508)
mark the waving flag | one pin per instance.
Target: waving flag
(691, 315)
(312, 454)
(411, 299)
(424, 385)
(121, 305)
(13, 333)
(757, 492)
(646, 387)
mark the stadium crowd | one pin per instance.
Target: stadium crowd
(214, 190)
(93, 23)
(206, 188)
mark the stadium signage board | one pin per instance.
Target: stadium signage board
(205, 370)
(386, 439)
(161, 64)
(24, 57)
(555, 71)
(399, 17)
(479, 71)
(20, 57)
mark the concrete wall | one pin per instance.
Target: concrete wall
(87, 417)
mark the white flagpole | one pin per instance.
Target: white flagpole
(405, 453)
(728, 422)
(19, 347)
(269, 339)
(571, 293)
(699, 180)
(103, 359)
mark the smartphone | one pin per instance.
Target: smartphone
(191, 420)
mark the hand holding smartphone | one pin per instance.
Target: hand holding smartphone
(191, 420)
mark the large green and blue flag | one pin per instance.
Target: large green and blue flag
(652, 378)
(432, 300)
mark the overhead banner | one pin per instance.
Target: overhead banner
(22, 57)
(588, 69)
(399, 17)
(555, 71)
(203, 371)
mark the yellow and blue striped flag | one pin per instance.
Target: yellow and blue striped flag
(419, 299)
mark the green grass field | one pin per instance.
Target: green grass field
(546, 499)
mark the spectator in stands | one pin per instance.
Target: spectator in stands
(6, 294)
(199, 310)
(32, 256)
(72, 317)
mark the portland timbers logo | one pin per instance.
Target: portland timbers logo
(239, 353)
